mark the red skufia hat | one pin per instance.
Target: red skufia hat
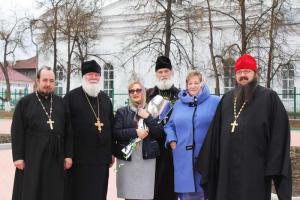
(245, 62)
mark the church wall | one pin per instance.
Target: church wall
(118, 31)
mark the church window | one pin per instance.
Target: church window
(229, 78)
(288, 75)
(108, 79)
(59, 80)
(60, 73)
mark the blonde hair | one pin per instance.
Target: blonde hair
(132, 83)
(192, 74)
(130, 86)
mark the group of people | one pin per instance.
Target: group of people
(169, 143)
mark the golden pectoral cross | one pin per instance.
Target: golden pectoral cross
(99, 125)
(233, 125)
(50, 122)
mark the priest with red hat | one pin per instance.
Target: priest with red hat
(248, 143)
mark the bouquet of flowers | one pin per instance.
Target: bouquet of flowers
(132, 144)
(160, 107)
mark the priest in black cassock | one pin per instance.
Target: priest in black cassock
(41, 142)
(91, 114)
(164, 175)
(248, 143)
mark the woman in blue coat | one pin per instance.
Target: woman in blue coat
(186, 131)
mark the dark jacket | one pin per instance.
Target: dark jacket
(164, 179)
(125, 130)
(152, 92)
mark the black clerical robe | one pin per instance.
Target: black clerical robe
(164, 174)
(42, 149)
(241, 165)
(88, 178)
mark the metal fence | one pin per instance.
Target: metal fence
(15, 96)
(290, 101)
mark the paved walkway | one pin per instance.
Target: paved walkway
(7, 175)
(5, 126)
(7, 168)
(6, 123)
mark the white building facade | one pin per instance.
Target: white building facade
(121, 24)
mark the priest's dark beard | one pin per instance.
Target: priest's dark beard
(245, 92)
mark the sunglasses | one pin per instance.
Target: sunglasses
(138, 91)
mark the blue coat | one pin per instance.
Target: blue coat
(189, 129)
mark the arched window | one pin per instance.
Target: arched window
(229, 78)
(108, 79)
(288, 74)
(59, 80)
(60, 73)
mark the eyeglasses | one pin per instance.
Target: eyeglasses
(138, 91)
(245, 71)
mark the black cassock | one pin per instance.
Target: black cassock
(42, 149)
(164, 174)
(88, 178)
(241, 165)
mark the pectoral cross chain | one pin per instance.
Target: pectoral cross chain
(50, 122)
(236, 115)
(233, 125)
(99, 125)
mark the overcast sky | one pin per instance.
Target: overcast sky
(21, 7)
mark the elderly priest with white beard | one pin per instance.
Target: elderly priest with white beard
(164, 87)
(91, 114)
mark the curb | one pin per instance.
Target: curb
(274, 197)
(5, 146)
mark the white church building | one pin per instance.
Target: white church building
(120, 27)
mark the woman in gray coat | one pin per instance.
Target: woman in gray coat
(134, 127)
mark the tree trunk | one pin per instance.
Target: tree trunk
(5, 72)
(271, 49)
(55, 40)
(168, 28)
(69, 62)
(243, 26)
(216, 74)
(81, 56)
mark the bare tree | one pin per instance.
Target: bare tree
(78, 28)
(168, 21)
(74, 23)
(256, 21)
(48, 24)
(211, 49)
(11, 36)
(277, 57)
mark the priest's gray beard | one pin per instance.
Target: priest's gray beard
(165, 84)
(91, 88)
(245, 92)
